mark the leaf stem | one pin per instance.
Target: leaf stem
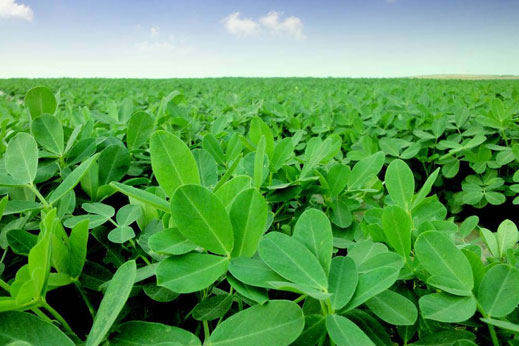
(85, 299)
(39, 195)
(58, 317)
(5, 286)
(207, 332)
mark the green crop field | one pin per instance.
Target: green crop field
(259, 212)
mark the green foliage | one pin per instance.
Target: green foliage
(259, 212)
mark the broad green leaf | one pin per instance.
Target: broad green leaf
(258, 128)
(393, 308)
(48, 132)
(171, 242)
(172, 162)
(507, 236)
(372, 283)
(400, 183)
(139, 130)
(113, 301)
(141, 333)
(344, 332)
(258, 163)
(190, 272)
(99, 208)
(292, 260)
(142, 196)
(210, 143)
(444, 307)
(340, 213)
(128, 214)
(207, 167)
(342, 281)
(23, 329)
(278, 322)
(314, 231)
(40, 100)
(21, 158)
(21, 241)
(72, 179)
(248, 217)
(337, 179)
(514, 328)
(490, 240)
(283, 151)
(426, 188)
(498, 294)
(397, 226)
(213, 307)
(315, 329)
(445, 262)
(253, 272)
(121, 234)
(365, 170)
(114, 162)
(201, 218)
(228, 192)
(78, 248)
(19, 206)
(256, 294)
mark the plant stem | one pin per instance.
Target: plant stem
(5, 286)
(493, 335)
(39, 195)
(207, 333)
(58, 317)
(301, 297)
(41, 315)
(85, 299)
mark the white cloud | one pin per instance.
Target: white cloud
(240, 26)
(272, 23)
(154, 46)
(154, 31)
(11, 9)
(290, 26)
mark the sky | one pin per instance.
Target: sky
(210, 38)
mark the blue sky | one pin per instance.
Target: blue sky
(160, 39)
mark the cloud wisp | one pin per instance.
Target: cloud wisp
(272, 23)
(10, 9)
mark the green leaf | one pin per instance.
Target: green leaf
(172, 162)
(40, 100)
(256, 294)
(142, 196)
(171, 242)
(341, 214)
(141, 333)
(259, 156)
(393, 308)
(514, 328)
(113, 301)
(292, 260)
(397, 226)
(248, 217)
(190, 272)
(21, 158)
(490, 240)
(337, 179)
(372, 283)
(48, 132)
(72, 179)
(342, 281)
(23, 329)
(121, 234)
(207, 167)
(139, 130)
(426, 188)
(498, 294)
(283, 151)
(344, 332)
(314, 231)
(210, 143)
(114, 162)
(448, 266)
(213, 307)
(258, 128)
(444, 307)
(279, 322)
(78, 248)
(201, 218)
(400, 183)
(128, 214)
(365, 170)
(99, 208)
(21, 241)
(253, 272)
(228, 192)
(507, 236)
